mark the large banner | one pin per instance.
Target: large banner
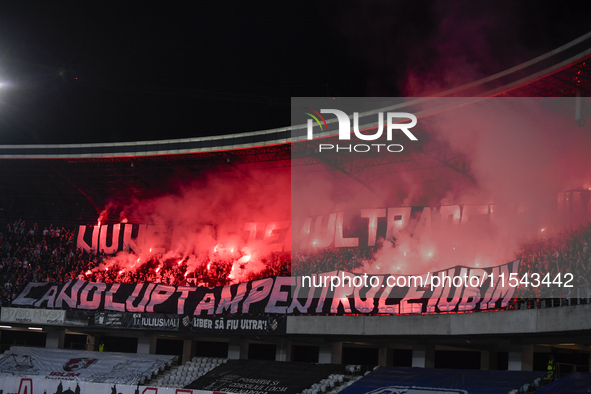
(263, 377)
(398, 380)
(455, 289)
(79, 365)
(238, 325)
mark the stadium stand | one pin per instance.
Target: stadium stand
(29, 254)
(82, 366)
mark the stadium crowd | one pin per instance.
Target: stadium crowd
(29, 254)
(326, 260)
(563, 256)
(50, 255)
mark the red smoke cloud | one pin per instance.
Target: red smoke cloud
(203, 221)
(522, 154)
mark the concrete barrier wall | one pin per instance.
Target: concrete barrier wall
(559, 319)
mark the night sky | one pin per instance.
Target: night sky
(122, 71)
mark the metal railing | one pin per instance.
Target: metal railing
(578, 296)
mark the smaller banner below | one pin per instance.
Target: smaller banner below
(32, 316)
(241, 325)
(396, 380)
(75, 317)
(78, 365)
(263, 377)
(139, 321)
(227, 324)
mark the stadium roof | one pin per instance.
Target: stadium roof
(562, 72)
(73, 182)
